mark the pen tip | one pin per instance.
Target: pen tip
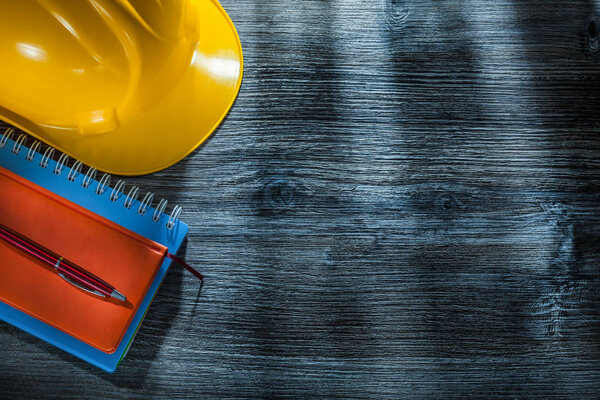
(117, 295)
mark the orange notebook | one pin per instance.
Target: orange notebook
(126, 260)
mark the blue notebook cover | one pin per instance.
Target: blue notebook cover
(70, 183)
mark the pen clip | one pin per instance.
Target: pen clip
(97, 293)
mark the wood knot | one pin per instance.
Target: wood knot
(396, 14)
(592, 41)
(279, 195)
(447, 203)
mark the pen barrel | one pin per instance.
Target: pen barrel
(68, 269)
(84, 278)
(20, 242)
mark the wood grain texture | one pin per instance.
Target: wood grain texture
(404, 202)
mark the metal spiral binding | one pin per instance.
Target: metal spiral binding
(62, 160)
(7, 135)
(32, 150)
(131, 196)
(74, 172)
(46, 157)
(89, 177)
(114, 195)
(162, 204)
(102, 186)
(174, 216)
(146, 202)
(18, 143)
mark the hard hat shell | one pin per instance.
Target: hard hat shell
(126, 86)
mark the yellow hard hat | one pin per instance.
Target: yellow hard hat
(126, 86)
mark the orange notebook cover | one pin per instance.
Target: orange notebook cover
(118, 256)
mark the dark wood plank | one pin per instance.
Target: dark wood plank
(403, 202)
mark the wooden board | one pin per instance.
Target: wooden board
(404, 202)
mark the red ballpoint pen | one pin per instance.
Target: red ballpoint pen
(66, 269)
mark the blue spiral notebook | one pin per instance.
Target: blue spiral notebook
(79, 185)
